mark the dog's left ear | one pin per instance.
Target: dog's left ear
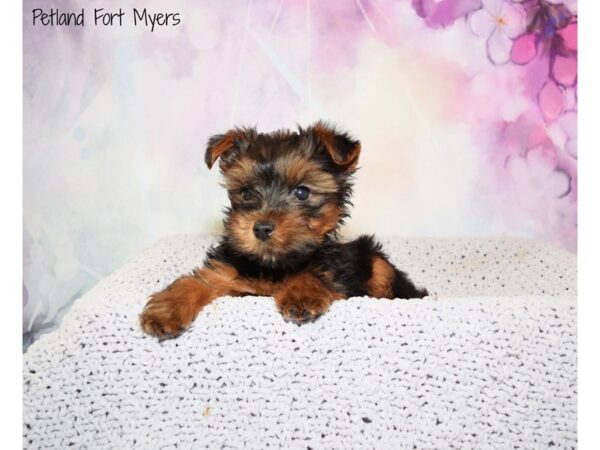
(223, 145)
(341, 147)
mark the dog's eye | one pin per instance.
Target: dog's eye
(302, 193)
(246, 194)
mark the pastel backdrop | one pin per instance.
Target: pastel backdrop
(466, 109)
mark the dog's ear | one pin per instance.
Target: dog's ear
(222, 145)
(341, 147)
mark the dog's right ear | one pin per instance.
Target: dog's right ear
(222, 145)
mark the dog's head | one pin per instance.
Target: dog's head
(289, 191)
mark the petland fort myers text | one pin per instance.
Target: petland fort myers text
(102, 17)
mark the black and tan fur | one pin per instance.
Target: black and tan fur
(276, 242)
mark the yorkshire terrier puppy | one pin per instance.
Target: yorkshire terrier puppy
(289, 194)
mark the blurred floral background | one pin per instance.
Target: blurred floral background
(466, 109)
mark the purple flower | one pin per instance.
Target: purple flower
(570, 4)
(551, 32)
(499, 21)
(442, 13)
(556, 28)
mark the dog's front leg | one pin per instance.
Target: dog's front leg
(304, 297)
(171, 311)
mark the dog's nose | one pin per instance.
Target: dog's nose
(263, 230)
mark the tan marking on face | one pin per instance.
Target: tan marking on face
(320, 182)
(241, 226)
(300, 170)
(327, 221)
(382, 277)
(239, 174)
(291, 233)
(294, 167)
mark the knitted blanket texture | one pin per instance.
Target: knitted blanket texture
(488, 360)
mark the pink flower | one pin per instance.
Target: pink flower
(563, 57)
(499, 21)
(564, 133)
(552, 33)
(551, 100)
(442, 13)
(524, 48)
(537, 174)
(569, 124)
(563, 51)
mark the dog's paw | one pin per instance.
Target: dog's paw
(170, 312)
(164, 316)
(299, 308)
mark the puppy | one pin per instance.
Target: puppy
(289, 194)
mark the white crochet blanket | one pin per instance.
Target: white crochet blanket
(488, 361)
